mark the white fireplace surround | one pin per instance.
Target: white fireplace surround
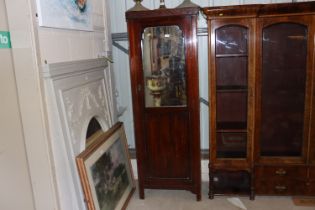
(75, 92)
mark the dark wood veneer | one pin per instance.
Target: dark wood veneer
(159, 13)
(232, 11)
(280, 85)
(259, 10)
(167, 138)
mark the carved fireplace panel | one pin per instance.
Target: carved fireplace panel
(76, 92)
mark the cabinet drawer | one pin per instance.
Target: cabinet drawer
(272, 180)
(272, 187)
(278, 172)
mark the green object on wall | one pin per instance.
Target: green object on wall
(5, 41)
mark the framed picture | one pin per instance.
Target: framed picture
(105, 171)
(69, 14)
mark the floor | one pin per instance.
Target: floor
(184, 200)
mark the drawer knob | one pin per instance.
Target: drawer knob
(280, 188)
(281, 172)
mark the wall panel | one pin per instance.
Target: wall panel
(123, 91)
(15, 178)
(203, 90)
(255, 1)
(117, 16)
(280, 1)
(173, 3)
(59, 45)
(226, 2)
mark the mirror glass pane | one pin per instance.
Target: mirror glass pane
(164, 69)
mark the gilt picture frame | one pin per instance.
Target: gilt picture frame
(105, 171)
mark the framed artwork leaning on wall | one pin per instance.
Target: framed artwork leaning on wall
(105, 171)
(70, 14)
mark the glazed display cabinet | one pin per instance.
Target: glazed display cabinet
(231, 92)
(261, 72)
(164, 78)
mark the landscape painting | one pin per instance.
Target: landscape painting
(105, 171)
(110, 177)
(67, 14)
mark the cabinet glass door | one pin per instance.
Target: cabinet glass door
(164, 70)
(283, 86)
(231, 58)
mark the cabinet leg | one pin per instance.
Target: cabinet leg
(252, 187)
(198, 196)
(141, 191)
(211, 195)
(252, 195)
(211, 187)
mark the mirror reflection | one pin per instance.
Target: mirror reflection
(163, 55)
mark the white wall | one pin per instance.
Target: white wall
(58, 45)
(15, 179)
(31, 46)
(121, 67)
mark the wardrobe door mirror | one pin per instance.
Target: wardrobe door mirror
(164, 70)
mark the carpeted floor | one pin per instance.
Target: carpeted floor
(184, 200)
